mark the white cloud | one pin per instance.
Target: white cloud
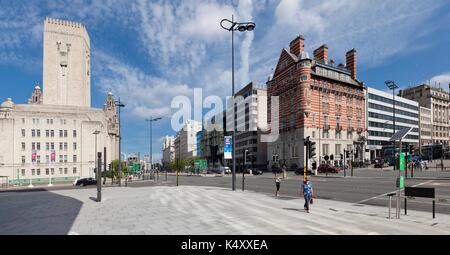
(144, 94)
(442, 79)
(377, 31)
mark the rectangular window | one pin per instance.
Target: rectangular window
(38, 159)
(47, 133)
(74, 146)
(47, 146)
(23, 172)
(47, 158)
(325, 120)
(60, 133)
(47, 171)
(60, 171)
(23, 160)
(60, 158)
(65, 146)
(52, 170)
(33, 172)
(65, 170)
(74, 133)
(313, 134)
(74, 158)
(65, 133)
(74, 170)
(52, 133)
(325, 149)
(338, 149)
(38, 146)
(349, 122)
(314, 119)
(65, 158)
(52, 146)
(33, 146)
(23, 146)
(60, 146)
(38, 133)
(23, 121)
(33, 133)
(23, 132)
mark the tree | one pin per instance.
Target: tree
(115, 167)
(177, 165)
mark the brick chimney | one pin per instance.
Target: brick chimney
(297, 45)
(351, 62)
(321, 53)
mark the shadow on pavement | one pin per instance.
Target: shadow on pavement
(37, 213)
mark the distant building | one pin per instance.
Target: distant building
(212, 140)
(168, 150)
(250, 122)
(186, 140)
(437, 100)
(380, 120)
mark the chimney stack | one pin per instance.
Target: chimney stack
(297, 45)
(321, 53)
(351, 62)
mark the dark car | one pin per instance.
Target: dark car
(300, 171)
(255, 171)
(86, 181)
(379, 162)
(324, 168)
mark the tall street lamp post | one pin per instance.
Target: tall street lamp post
(150, 121)
(241, 27)
(391, 85)
(120, 105)
(96, 132)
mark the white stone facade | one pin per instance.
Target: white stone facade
(52, 135)
(168, 150)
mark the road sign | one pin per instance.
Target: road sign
(201, 164)
(133, 168)
(402, 182)
(228, 149)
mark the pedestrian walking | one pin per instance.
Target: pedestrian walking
(307, 193)
(277, 184)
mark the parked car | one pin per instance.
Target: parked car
(325, 168)
(85, 181)
(379, 162)
(253, 171)
(300, 171)
(227, 170)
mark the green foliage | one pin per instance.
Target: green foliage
(178, 165)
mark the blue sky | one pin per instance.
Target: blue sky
(151, 51)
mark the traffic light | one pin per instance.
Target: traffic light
(331, 157)
(312, 149)
(347, 154)
(109, 167)
(342, 156)
(306, 142)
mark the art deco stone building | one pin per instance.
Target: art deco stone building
(52, 135)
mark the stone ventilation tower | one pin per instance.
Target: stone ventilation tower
(66, 64)
(36, 97)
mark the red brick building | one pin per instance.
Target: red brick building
(318, 99)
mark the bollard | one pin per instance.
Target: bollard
(405, 207)
(434, 209)
(390, 202)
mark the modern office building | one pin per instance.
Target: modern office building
(318, 99)
(437, 100)
(212, 140)
(52, 136)
(250, 113)
(380, 120)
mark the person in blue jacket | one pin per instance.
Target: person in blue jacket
(307, 192)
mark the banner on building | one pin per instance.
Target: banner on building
(52, 158)
(33, 157)
(228, 147)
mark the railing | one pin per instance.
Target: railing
(326, 127)
(359, 130)
(350, 129)
(338, 128)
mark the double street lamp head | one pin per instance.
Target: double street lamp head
(391, 84)
(240, 26)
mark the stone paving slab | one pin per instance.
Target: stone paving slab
(199, 211)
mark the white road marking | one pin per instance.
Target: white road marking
(395, 191)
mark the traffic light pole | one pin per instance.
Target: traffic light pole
(344, 157)
(307, 158)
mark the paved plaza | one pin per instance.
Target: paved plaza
(193, 210)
